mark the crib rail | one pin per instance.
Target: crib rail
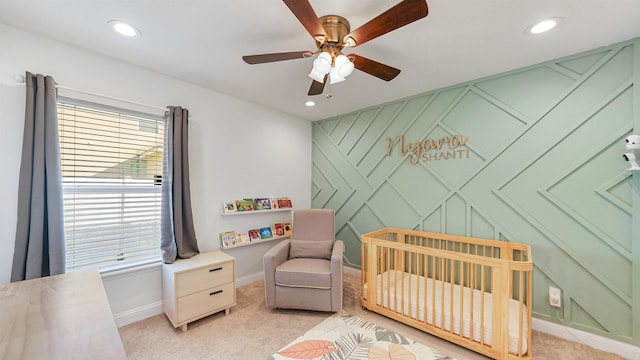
(474, 292)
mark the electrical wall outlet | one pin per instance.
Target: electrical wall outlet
(555, 297)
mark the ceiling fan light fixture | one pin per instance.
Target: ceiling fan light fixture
(334, 76)
(315, 75)
(344, 66)
(322, 63)
(321, 66)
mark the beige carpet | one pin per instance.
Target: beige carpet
(253, 332)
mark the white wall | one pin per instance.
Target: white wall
(237, 149)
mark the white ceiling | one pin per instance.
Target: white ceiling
(202, 42)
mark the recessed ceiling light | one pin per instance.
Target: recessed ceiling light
(124, 28)
(543, 26)
(310, 103)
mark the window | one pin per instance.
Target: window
(111, 175)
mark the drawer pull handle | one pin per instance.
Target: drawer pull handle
(216, 269)
(215, 292)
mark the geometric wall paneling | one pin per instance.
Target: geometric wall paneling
(479, 226)
(323, 190)
(347, 234)
(409, 178)
(455, 215)
(581, 318)
(528, 92)
(533, 155)
(434, 221)
(330, 184)
(581, 64)
(617, 191)
(364, 220)
(386, 201)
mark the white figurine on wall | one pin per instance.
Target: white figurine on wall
(632, 144)
(631, 158)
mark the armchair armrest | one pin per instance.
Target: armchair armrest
(271, 259)
(336, 275)
(337, 252)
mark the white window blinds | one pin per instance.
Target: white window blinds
(111, 173)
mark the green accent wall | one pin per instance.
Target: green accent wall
(531, 156)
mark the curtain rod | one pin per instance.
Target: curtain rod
(21, 79)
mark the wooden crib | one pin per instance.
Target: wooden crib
(473, 292)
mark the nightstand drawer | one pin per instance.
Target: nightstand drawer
(192, 281)
(197, 304)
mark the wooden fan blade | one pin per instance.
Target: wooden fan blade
(307, 17)
(317, 87)
(372, 67)
(265, 58)
(405, 12)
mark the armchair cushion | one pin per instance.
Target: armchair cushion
(304, 273)
(317, 249)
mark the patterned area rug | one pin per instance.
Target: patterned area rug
(347, 337)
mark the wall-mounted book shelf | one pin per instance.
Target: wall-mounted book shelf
(252, 205)
(254, 242)
(257, 206)
(251, 212)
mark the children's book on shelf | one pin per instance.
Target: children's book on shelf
(278, 229)
(243, 238)
(245, 204)
(254, 234)
(284, 202)
(263, 204)
(265, 233)
(228, 238)
(287, 228)
(229, 206)
(274, 203)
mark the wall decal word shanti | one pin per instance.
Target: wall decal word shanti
(445, 148)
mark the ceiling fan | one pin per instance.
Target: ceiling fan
(332, 33)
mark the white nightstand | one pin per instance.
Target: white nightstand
(197, 287)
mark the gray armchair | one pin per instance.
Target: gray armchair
(305, 272)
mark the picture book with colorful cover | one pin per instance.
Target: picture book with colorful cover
(245, 204)
(243, 238)
(229, 207)
(263, 204)
(287, 228)
(254, 235)
(228, 238)
(278, 229)
(274, 203)
(284, 202)
(265, 233)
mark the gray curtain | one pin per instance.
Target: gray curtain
(178, 234)
(39, 243)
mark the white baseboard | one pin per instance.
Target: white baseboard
(139, 313)
(246, 280)
(625, 350)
